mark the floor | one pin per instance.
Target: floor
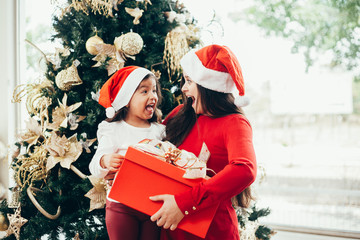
(282, 235)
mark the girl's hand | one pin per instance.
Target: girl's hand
(111, 161)
(110, 178)
(169, 215)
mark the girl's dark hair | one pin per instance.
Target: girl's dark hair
(121, 114)
(216, 104)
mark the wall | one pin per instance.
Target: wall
(9, 69)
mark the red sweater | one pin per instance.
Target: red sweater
(232, 157)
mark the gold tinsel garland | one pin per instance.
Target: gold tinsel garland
(35, 101)
(176, 46)
(102, 7)
(31, 168)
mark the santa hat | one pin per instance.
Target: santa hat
(217, 68)
(118, 90)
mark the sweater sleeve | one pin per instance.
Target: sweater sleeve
(105, 146)
(237, 175)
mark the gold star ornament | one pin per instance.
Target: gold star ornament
(16, 222)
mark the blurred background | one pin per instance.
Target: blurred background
(300, 65)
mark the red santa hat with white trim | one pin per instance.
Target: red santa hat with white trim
(118, 90)
(216, 67)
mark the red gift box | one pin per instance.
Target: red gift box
(142, 175)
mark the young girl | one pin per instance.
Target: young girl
(211, 114)
(130, 97)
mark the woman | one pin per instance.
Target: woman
(211, 114)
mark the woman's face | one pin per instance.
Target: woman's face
(190, 90)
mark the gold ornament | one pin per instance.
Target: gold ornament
(157, 73)
(4, 222)
(76, 237)
(116, 61)
(97, 194)
(87, 144)
(61, 114)
(125, 46)
(91, 44)
(116, 3)
(55, 58)
(170, 16)
(129, 44)
(62, 150)
(68, 78)
(16, 222)
(30, 194)
(136, 13)
(103, 7)
(176, 47)
(34, 132)
(31, 167)
(35, 101)
(14, 198)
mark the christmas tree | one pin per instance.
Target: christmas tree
(55, 194)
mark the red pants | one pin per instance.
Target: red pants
(125, 223)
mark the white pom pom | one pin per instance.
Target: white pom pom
(110, 112)
(242, 101)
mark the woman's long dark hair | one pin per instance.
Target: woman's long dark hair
(121, 114)
(215, 104)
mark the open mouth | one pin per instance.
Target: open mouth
(150, 107)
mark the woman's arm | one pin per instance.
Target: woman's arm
(238, 174)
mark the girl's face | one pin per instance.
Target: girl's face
(190, 90)
(142, 104)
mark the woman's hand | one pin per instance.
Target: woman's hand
(169, 215)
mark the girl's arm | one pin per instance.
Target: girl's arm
(105, 146)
